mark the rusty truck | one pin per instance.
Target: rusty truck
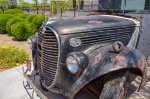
(95, 56)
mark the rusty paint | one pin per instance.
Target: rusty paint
(95, 22)
(98, 57)
(113, 61)
(80, 17)
(120, 58)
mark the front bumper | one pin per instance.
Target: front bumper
(34, 80)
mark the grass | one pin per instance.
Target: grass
(11, 56)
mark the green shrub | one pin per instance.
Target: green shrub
(4, 18)
(13, 11)
(11, 22)
(1, 12)
(38, 21)
(31, 17)
(22, 30)
(24, 16)
(10, 56)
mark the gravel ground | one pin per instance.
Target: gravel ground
(12, 85)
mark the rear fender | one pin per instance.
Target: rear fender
(104, 60)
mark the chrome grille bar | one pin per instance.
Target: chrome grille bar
(48, 55)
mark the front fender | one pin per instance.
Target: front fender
(104, 60)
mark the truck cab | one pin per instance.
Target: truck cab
(95, 56)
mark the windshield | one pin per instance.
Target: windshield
(114, 5)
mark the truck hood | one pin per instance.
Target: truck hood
(89, 23)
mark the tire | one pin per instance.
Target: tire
(115, 89)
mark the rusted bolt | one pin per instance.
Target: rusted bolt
(117, 46)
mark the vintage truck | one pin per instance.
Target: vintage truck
(94, 56)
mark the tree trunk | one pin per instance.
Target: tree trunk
(37, 9)
(2, 9)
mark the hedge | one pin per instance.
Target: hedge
(38, 21)
(1, 11)
(4, 18)
(11, 56)
(18, 24)
(22, 30)
(13, 11)
(24, 16)
(11, 22)
(31, 17)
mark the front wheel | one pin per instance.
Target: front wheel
(115, 89)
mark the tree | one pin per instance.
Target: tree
(24, 5)
(44, 2)
(36, 3)
(58, 6)
(4, 4)
(69, 4)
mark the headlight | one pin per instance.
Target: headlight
(72, 65)
(76, 62)
(31, 42)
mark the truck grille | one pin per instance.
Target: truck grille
(47, 55)
(108, 35)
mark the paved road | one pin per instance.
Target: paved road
(11, 87)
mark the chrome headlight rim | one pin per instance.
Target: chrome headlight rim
(73, 66)
(31, 42)
(80, 59)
